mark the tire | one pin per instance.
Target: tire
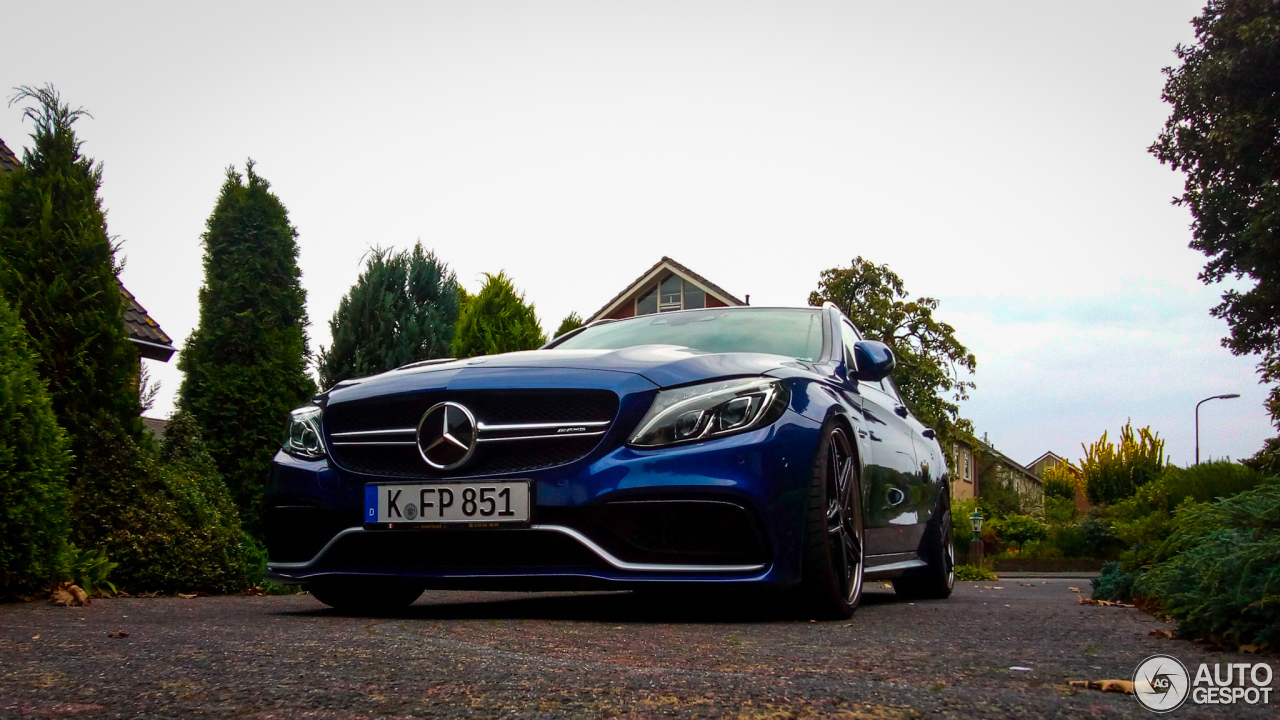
(831, 584)
(938, 549)
(366, 596)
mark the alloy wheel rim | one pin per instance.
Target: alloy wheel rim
(844, 515)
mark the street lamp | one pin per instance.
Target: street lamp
(975, 545)
(1228, 396)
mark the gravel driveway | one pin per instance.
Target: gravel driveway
(585, 655)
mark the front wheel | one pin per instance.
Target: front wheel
(833, 562)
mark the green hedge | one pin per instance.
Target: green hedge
(33, 466)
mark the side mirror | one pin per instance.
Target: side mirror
(873, 361)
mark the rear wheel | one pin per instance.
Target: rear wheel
(366, 596)
(935, 580)
(833, 562)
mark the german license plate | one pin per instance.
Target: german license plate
(471, 502)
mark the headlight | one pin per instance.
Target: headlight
(303, 438)
(699, 412)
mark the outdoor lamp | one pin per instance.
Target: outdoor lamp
(976, 520)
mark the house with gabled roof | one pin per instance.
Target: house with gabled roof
(665, 287)
(151, 341)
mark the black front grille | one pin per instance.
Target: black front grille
(506, 407)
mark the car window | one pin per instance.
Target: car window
(793, 333)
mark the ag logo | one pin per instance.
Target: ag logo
(1161, 683)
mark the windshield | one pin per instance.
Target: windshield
(793, 333)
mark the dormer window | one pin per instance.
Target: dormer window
(670, 294)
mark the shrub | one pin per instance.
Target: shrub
(1114, 583)
(1145, 520)
(1040, 550)
(169, 521)
(402, 309)
(90, 569)
(1218, 573)
(1059, 512)
(1113, 473)
(1091, 537)
(33, 465)
(497, 320)
(1019, 529)
(245, 364)
(970, 573)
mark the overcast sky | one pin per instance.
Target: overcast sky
(993, 154)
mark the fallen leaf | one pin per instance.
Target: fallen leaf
(1162, 633)
(997, 587)
(1112, 686)
(35, 637)
(1074, 589)
(117, 634)
(82, 597)
(1251, 649)
(186, 596)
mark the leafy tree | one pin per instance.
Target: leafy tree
(245, 364)
(497, 320)
(929, 357)
(1114, 472)
(57, 267)
(572, 321)
(33, 465)
(402, 309)
(1224, 132)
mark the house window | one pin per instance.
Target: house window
(671, 294)
(966, 475)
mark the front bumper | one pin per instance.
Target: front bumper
(726, 510)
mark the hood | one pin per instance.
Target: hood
(663, 365)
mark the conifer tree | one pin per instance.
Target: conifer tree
(497, 320)
(245, 364)
(33, 465)
(402, 309)
(572, 321)
(58, 269)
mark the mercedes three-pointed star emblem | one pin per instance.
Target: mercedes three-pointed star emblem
(447, 435)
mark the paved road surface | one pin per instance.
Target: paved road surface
(499, 655)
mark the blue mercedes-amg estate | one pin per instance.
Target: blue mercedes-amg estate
(761, 447)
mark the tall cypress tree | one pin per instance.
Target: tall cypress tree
(497, 320)
(246, 362)
(58, 268)
(402, 309)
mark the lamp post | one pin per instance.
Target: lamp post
(975, 545)
(1228, 396)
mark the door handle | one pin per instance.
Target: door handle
(901, 410)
